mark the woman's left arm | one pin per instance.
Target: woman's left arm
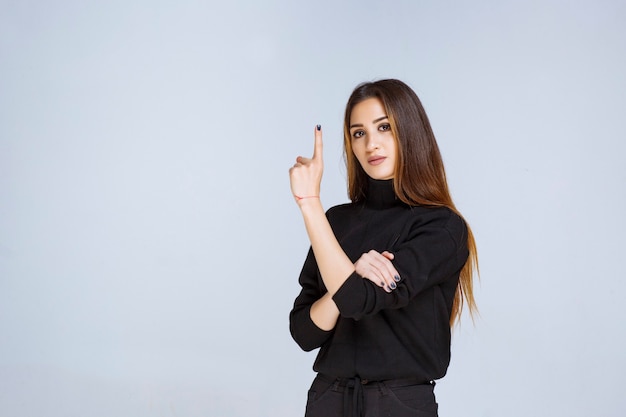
(433, 252)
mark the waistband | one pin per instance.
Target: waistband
(390, 383)
(353, 404)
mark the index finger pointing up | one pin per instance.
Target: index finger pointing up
(317, 150)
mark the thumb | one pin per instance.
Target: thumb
(388, 255)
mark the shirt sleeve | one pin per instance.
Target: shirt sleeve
(433, 251)
(306, 334)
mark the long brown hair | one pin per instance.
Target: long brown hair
(419, 176)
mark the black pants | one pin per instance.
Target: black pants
(342, 397)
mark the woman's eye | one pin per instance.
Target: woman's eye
(357, 134)
(384, 127)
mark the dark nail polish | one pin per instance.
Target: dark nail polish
(393, 285)
(397, 278)
(319, 127)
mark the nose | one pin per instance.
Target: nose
(372, 142)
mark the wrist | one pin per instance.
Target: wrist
(304, 197)
(309, 204)
(305, 200)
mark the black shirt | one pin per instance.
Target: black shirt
(380, 335)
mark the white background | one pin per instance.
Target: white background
(149, 244)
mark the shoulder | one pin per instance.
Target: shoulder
(340, 210)
(441, 219)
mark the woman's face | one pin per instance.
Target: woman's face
(373, 143)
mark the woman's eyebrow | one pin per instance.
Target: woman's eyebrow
(373, 122)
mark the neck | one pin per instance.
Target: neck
(380, 194)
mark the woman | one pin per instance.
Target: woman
(388, 274)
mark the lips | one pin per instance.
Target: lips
(376, 160)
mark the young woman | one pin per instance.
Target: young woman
(388, 274)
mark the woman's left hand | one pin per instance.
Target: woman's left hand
(306, 174)
(377, 267)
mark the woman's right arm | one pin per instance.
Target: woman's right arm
(308, 332)
(315, 314)
(324, 312)
(334, 265)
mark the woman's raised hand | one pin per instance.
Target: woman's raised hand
(377, 267)
(306, 174)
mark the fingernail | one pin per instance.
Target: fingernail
(393, 285)
(319, 127)
(397, 278)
